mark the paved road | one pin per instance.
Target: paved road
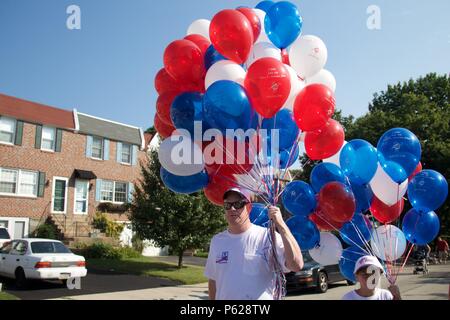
(95, 282)
(433, 286)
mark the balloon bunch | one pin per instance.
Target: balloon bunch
(239, 95)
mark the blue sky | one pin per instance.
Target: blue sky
(107, 68)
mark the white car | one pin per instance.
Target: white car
(43, 259)
(4, 236)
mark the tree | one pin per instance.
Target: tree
(151, 130)
(179, 221)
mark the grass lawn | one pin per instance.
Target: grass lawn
(148, 266)
(7, 296)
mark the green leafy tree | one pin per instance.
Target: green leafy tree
(179, 221)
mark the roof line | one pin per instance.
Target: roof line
(115, 122)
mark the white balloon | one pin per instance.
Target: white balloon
(335, 159)
(297, 85)
(225, 70)
(263, 50)
(323, 77)
(388, 242)
(201, 27)
(263, 35)
(386, 189)
(308, 55)
(329, 251)
(180, 156)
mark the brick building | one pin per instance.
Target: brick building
(65, 166)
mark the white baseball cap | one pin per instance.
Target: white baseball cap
(365, 261)
(245, 193)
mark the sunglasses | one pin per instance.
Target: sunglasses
(236, 205)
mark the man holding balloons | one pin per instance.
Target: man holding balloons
(242, 260)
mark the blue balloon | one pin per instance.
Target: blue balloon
(402, 147)
(359, 161)
(212, 56)
(304, 231)
(265, 5)
(299, 198)
(184, 185)
(259, 214)
(348, 261)
(428, 190)
(226, 106)
(187, 108)
(363, 196)
(289, 157)
(324, 173)
(356, 232)
(288, 130)
(283, 24)
(395, 171)
(420, 227)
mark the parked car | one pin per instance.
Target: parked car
(41, 259)
(4, 236)
(314, 275)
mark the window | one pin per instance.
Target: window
(4, 234)
(107, 191)
(113, 191)
(59, 195)
(48, 139)
(49, 247)
(8, 181)
(126, 153)
(7, 130)
(81, 196)
(20, 248)
(28, 183)
(120, 192)
(97, 148)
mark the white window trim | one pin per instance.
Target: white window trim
(54, 139)
(101, 148)
(17, 194)
(131, 154)
(65, 195)
(13, 132)
(75, 197)
(114, 192)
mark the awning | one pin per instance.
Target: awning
(85, 175)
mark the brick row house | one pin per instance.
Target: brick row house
(64, 165)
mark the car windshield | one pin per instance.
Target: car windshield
(4, 234)
(49, 247)
(306, 257)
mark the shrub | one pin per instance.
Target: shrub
(46, 231)
(100, 250)
(137, 243)
(107, 226)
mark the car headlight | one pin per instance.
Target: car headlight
(305, 273)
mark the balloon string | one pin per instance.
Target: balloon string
(404, 262)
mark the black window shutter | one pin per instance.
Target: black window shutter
(37, 142)
(58, 140)
(19, 133)
(41, 185)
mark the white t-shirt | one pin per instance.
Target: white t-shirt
(379, 294)
(240, 264)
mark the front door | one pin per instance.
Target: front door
(59, 195)
(81, 197)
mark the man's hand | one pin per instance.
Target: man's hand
(395, 291)
(275, 216)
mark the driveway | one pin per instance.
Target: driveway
(95, 282)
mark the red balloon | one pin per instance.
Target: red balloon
(324, 223)
(325, 142)
(416, 171)
(253, 18)
(337, 202)
(218, 185)
(313, 107)
(165, 82)
(229, 157)
(268, 85)
(200, 41)
(285, 57)
(163, 105)
(384, 213)
(232, 35)
(183, 60)
(164, 130)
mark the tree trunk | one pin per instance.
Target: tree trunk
(180, 258)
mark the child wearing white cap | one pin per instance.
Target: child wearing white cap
(368, 272)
